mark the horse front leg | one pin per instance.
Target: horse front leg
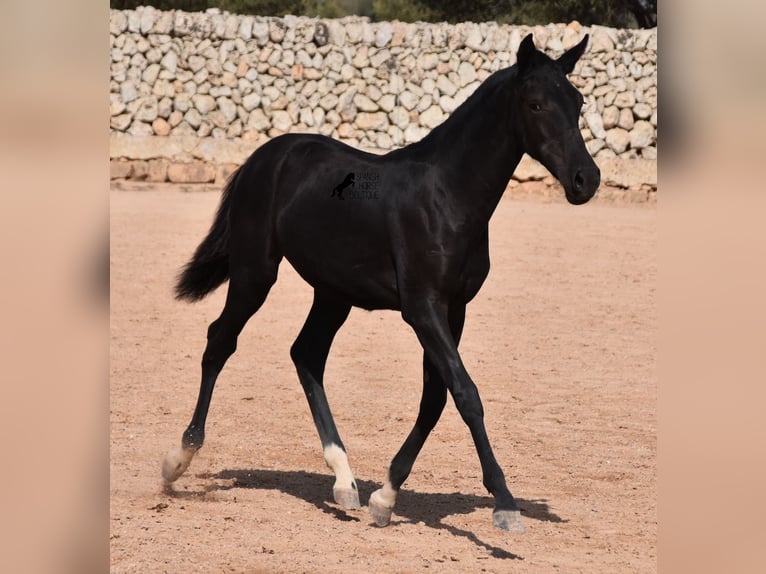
(432, 404)
(430, 320)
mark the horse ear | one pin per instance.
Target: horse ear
(568, 60)
(525, 55)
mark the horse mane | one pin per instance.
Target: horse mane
(478, 103)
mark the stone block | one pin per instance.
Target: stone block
(120, 169)
(223, 172)
(157, 170)
(192, 172)
(140, 170)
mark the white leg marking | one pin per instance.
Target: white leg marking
(344, 490)
(385, 497)
(337, 460)
(382, 504)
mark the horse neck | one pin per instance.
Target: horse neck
(477, 148)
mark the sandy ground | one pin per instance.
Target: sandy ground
(561, 342)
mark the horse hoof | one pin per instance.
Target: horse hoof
(347, 497)
(508, 520)
(175, 464)
(381, 513)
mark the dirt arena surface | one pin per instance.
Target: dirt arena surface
(561, 342)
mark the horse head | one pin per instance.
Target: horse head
(549, 109)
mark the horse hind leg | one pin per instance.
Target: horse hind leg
(309, 353)
(248, 289)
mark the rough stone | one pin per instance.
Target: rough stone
(151, 74)
(414, 133)
(626, 119)
(387, 102)
(445, 86)
(128, 92)
(276, 31)
(147, 109)
(371, 121)
(467, 74)
(217, 119)
(260, 32)
(134, 21)
(203, 103)
(258, 121)
(118, 22)
(384, 34)
(406, 98)
(595, 124)
(138, 128)
(346, 106)
(473, 37)
(228, 108)
(160, 127)
(170, 61)
(610, 117)
(116, 105)
(625, 100)
(649, 153)
(618, 140)
(196, 63)
(642, 135)
(328, 102)
(424, 103)
(432, 117)
(365, 104)
(251, 101)
(428, 61)
(399, 117)
(193, 118)
(642, 111)
(182, 102)
(281, 121)
(346, 130)
(448, 104)
(594, 146)
(146, 19)
(175, 118)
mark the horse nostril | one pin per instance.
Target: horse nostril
(579, 182)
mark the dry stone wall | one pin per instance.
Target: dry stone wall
(245, 79)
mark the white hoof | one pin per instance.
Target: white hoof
(176, 462)
(508, 520)
(380, 509)
(347, 497)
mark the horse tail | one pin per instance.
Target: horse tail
(209, 266)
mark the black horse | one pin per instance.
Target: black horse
(420, 247)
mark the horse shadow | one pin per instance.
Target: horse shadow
(412, 507)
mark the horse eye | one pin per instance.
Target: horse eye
(535, 107)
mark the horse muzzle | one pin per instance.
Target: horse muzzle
(583, 185)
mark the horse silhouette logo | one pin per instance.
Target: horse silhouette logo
(347, 182)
